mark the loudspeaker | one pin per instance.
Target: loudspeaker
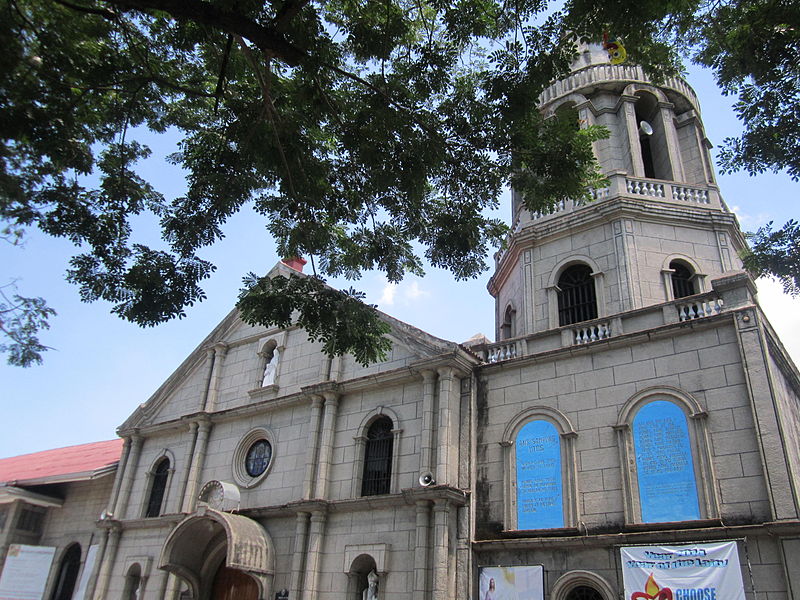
(426, 479)
(645, 128)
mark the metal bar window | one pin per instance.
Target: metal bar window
(378, 458)
(576, 297)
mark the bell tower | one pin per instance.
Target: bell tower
(658, 233)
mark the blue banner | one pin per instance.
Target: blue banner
(664, 465)
(540, 502)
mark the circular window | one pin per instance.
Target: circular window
(258, 457)
(252, 459)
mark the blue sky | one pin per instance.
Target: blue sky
(101, 368)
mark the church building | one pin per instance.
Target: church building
(637, 415)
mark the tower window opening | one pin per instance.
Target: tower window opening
(682, 280)
(509, 328)
(577, 300)
(652, 137)
(647, 156)
(378, 458)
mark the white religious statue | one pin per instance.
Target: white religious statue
(371, 593)
(271, 367)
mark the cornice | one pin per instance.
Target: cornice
(604, 212)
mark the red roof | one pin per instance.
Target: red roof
(62, 464)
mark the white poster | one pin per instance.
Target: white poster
(689, 572)
(25, 572)
(511, 583)
(88, 567)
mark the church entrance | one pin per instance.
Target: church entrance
(232, 584)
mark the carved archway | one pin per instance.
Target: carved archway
(209, 540)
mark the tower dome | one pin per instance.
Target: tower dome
(660, 229)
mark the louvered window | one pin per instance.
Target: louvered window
(682, 284)
(158, 488)
(576, 297)
(378, 458)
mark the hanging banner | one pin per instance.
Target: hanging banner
(25, 572)
(689, 572)
(511, 583)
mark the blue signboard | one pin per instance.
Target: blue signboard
(540, 502)
(667, 485)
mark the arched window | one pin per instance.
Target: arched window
(652, 139)
(664, 442)
(67, 573)
(682, 280)
(664, 464)
(509, 328)
(540, 469)
(158, 487)
(133, 582)
(577, 300)
(377, 475)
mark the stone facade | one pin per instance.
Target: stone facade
(672, 323)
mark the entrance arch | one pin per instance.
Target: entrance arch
(582, 585)
(211, 548)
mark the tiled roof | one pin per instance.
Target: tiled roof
(72, 463)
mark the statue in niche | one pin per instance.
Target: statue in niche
(282, 595)
(371, 593)
(272, 356)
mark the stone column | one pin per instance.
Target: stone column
(428, 396)
(220, 350)
(311, 450)
(121, 467)
(298, 556)
(632, 128)
(112, 545)
(441, 550)
(667, 113)
(421, 549)
(326, 447)
(314, 556)
(127, 479)
(199, 459)
(448, 430)
(187, 466)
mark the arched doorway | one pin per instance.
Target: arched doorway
(232, 584)
(67, 573)
(220, 555)
(582, 585)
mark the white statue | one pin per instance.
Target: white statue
(271, 368)
(371, 593)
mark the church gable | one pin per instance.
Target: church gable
(237, 364)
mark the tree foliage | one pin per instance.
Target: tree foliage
(369, 135)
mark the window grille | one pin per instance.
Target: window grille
(378, 458)
(158, 488)
(576, 297)
(30, 520)
(258, 457)
(682, 284)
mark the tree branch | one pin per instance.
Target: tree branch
(102, 12)
(287, 12)
(204, 13)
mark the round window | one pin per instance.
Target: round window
(258, 457)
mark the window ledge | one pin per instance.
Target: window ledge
(556, 532)
(263, 391)
(696, 524)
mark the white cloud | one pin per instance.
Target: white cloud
(413, 292)
(388, 294)
(783, 313)
(748, 221)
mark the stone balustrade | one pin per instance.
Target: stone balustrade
(583, 334)
(594, 75)
(692, 308)
(699, 308)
